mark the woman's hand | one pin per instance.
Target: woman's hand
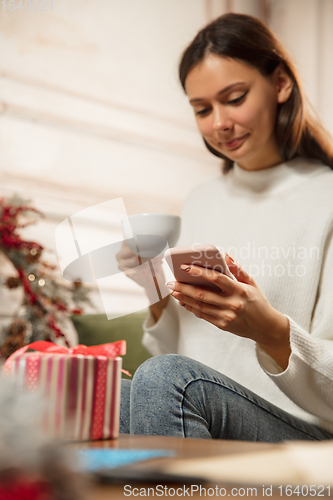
(130, 264)
(241, 308)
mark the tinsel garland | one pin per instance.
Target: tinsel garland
(47, 301)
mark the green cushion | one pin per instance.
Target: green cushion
(96, 329)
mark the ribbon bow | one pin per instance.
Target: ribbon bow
(111, 350)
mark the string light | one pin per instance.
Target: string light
(33, 251)
(31, 277)
(41, 282)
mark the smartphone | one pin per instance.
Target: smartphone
(208, 256)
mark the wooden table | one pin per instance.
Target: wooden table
(184, 448)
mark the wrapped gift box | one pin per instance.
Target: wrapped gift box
(80, 387)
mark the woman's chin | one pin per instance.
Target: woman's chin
(237, 154)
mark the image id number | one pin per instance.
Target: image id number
(27, 5)
(304, 490)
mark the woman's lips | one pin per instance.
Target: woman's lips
(234, 143)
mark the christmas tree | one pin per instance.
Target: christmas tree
(48, 301)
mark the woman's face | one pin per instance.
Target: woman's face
(235, 108)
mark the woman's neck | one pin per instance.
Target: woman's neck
(266, 158)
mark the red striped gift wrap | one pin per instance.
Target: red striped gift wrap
(81, 392)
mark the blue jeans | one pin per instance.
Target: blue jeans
(172, 395)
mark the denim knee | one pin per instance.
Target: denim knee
(162, 366)
(156, 396)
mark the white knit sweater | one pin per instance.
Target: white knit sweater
(278, 224)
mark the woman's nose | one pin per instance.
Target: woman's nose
(221, 121)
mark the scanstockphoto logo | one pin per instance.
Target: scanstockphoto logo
(109, 260)
(275, 261)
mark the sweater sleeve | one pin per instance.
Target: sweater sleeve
(162, 336)
(308, 379)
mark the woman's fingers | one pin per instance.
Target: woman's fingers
(226, 284)
(221, 316)
(239, 273)
(124, 264)
(201, 298)
(205, 306)
(194, 292)
(203, 302)
(125, 252)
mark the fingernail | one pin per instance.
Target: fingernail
(232, 260)
(185, 268)
(170, 285)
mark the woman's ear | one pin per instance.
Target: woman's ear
(284, 84)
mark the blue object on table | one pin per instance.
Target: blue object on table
(95, 459)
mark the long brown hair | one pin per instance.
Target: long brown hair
(298, 131)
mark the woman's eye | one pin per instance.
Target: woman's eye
(238, 100)
(202, 111)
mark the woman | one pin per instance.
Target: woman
(254, 362)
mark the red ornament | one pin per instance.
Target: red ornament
(77, 311)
